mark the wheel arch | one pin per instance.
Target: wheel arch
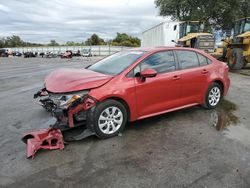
(220, 83)
(123, 102)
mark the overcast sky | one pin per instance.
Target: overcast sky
(75, 20)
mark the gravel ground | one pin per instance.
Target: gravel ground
(193, 147)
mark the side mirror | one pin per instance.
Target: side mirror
(174, 42)
(147, 73)
(175, 27)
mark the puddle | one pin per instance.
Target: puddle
(225, 121)
(223, 116)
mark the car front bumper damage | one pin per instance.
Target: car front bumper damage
(71, 114)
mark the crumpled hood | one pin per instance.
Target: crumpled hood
(69, 80)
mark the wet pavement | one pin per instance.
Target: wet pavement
(192, 147)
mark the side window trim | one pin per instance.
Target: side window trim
(178, 67)
(207, 59)
(199, 59)
(175, 60)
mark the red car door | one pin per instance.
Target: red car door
(193, 77)
(160, 93)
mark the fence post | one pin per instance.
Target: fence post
(99, 50)
(109, 48)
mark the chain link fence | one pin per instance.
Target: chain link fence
(102, 50)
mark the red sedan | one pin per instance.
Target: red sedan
(131, 85)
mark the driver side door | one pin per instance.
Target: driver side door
(162, 92)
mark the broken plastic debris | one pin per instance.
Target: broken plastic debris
(43, 139)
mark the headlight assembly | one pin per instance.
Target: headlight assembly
(65, 100)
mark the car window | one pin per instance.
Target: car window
(161, 62)
(116, 63)
(202, 59)
(187, 59)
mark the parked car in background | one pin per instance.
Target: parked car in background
(42, 54)
(86, 53)
(50, 55)
(30, 54)
(77, 54)
(67, 54)
(17, 54)
(4, 52)
(134, 84)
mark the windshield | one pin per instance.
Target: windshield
(241, 26)
(190, 27)
(247, 25)
(116, 63)
(193, 28)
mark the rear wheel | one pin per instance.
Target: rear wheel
(236, 60)
(213, 96)
(108, 119)
(245, 64)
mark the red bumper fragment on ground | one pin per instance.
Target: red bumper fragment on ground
(43, 139)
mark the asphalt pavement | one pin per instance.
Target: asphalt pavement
(192, 147)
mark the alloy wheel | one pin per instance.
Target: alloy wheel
(110, 120)
(214, 96)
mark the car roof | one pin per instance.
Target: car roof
(160, 48)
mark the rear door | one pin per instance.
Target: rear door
(193, 77)
(159, 93)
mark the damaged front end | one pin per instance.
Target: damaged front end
(69, 109)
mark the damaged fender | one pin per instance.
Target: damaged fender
(78, 106)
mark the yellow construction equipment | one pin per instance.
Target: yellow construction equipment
(236, 49)
(192, 34)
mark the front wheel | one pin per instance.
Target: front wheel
(108, 118)
(213, 96)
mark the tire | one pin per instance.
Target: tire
(213, 96)
(104, 122)
(245, 64)
(224, 54)
(236, 60)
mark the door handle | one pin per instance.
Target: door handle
(204, 71)
(176, 77)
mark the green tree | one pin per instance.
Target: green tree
(2, 42)
(53, 43)
(218, 13)
(123, 39)
(15, 41)
(95, 40)
(71, 43)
